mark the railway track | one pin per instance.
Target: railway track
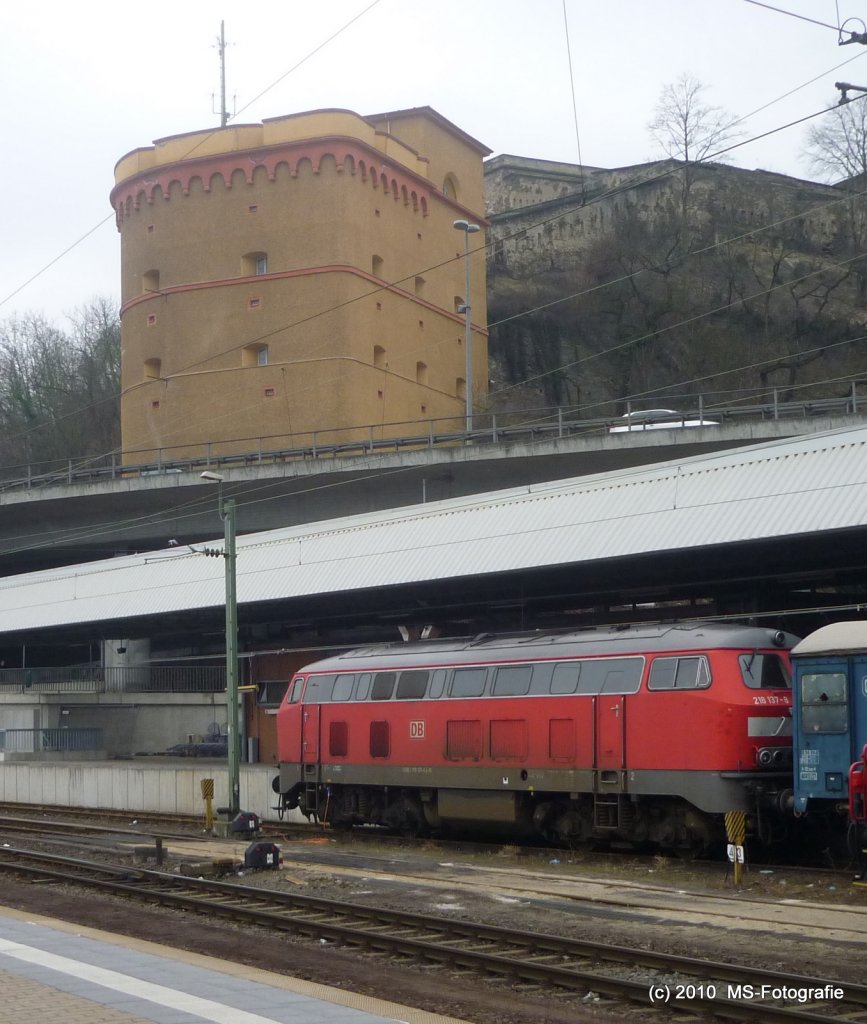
(571, 966)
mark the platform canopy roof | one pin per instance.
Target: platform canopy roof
(787, 488)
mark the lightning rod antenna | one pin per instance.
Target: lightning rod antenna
(221, 47)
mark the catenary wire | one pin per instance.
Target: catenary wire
(538, 493)
(436, 266)
(607, 194)
(603, 285)
(572, 88)
(792, 14)
(683, 323)
(201, 142)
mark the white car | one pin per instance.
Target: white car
(657, 419)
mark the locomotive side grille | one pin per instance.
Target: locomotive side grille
(464, 740)
(509, 740)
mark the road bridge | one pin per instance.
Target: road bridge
(71, 518)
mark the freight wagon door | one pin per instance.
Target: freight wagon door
(310, 717)
(610, 721)
(824, 731)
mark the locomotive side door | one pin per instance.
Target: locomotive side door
(310, 722)
(609, 731)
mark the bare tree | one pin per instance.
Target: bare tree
(59, 391)
(686, 128)
(837, 146)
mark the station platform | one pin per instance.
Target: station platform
(59, 973)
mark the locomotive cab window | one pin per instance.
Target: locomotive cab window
(293, 694)
(679, 674)
(319, 689)
(765, 671)
(824, 702)
(343, 688)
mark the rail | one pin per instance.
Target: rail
(388, 438)
(627, 975)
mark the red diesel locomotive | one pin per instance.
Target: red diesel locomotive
(624, 734)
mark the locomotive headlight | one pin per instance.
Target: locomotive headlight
(779, 638)
(780, 757)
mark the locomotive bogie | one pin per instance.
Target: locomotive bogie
(626, 735)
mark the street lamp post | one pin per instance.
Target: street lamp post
(468, 229)
(227, 514)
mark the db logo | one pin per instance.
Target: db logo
(416, 730)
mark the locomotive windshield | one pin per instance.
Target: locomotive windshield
(765, 671)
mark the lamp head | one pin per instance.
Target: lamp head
(216, 478)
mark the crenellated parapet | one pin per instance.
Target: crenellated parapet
(356, 145)
(350, 156)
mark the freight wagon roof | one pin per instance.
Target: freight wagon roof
(787, 488)
(540, 646)
(836, 638)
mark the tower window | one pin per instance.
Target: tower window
(379, 357)
(150, 281)
(376, 265)
(421, 373)
(254, 264)
(254, 355)
(152, 368)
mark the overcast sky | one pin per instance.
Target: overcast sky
(84, 83)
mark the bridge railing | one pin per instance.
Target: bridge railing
(526, 426)
(40, 741)
(135, 679)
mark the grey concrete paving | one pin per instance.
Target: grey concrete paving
(55, 973)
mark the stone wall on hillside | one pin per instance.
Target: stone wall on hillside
(544, 214)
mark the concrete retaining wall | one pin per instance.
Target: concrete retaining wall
(167, 787)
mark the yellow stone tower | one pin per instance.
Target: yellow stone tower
(298, 281)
